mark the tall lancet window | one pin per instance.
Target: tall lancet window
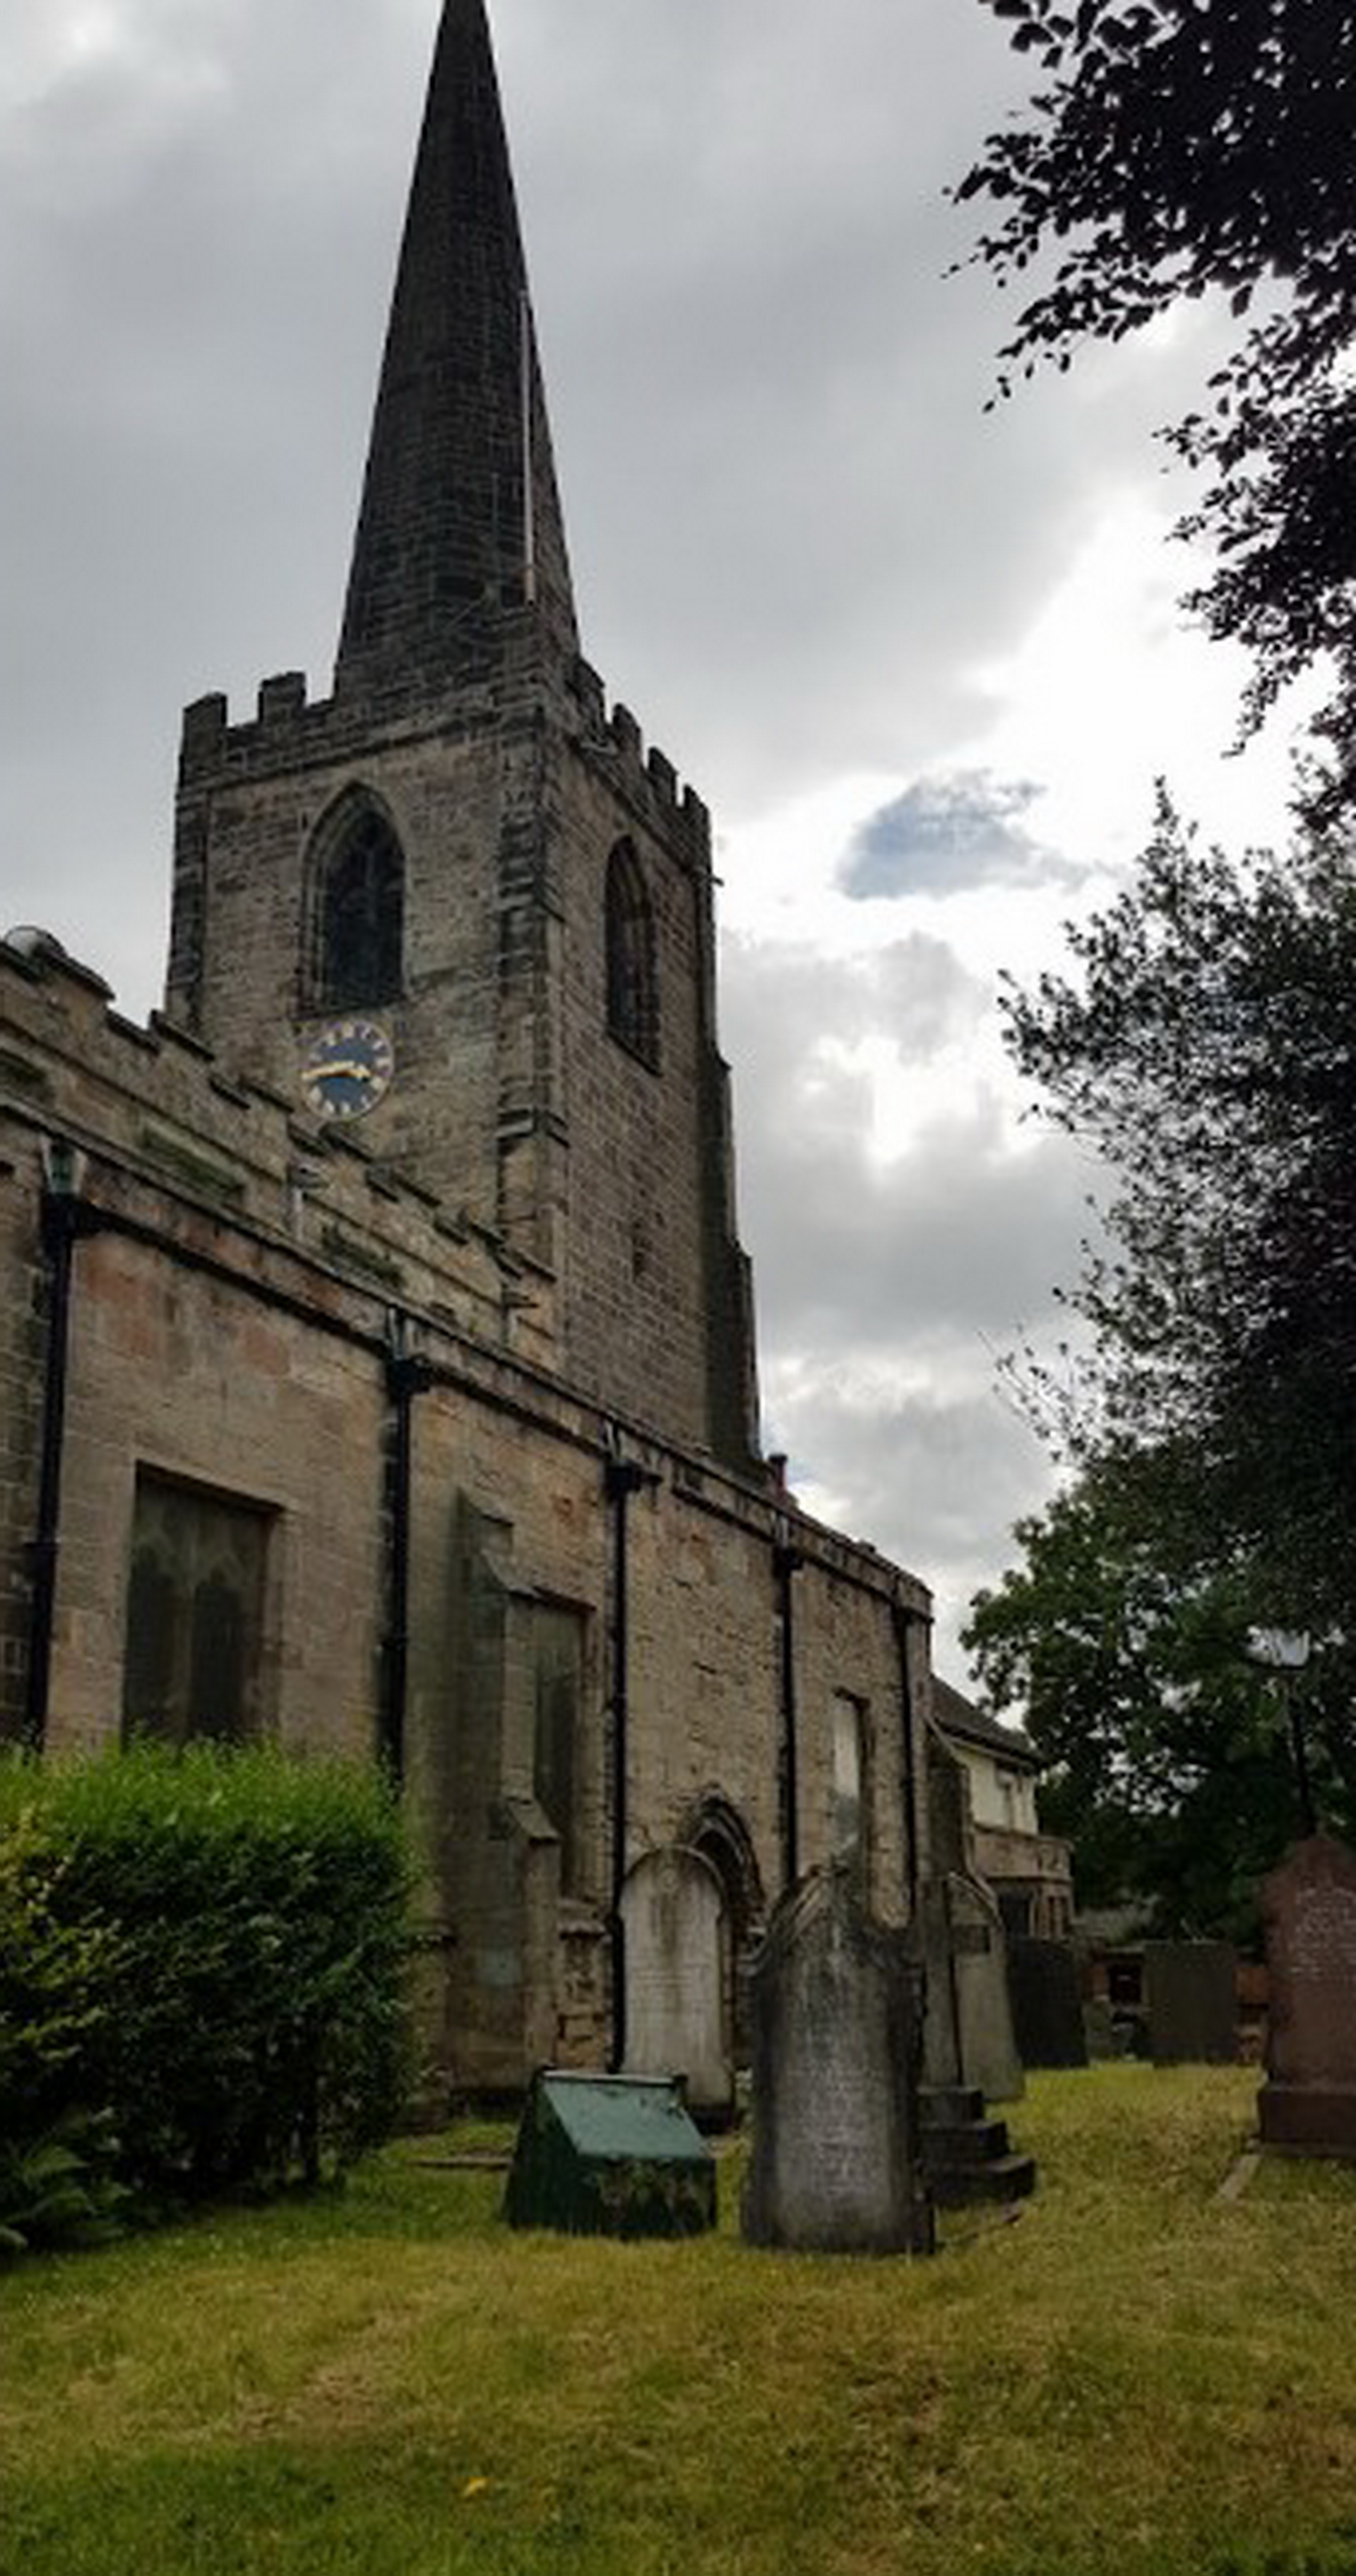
(632, 998)
(358, 907)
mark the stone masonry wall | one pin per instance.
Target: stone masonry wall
(257, 795)
(511, 1102)
(218, 1338)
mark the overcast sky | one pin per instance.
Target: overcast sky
(923, 662)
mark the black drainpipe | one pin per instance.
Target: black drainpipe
(621, 1479)
(406, 1377)
(65, 1218)
(786, 1564)
(903, 1621)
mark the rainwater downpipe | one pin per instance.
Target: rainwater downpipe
(407, 1376)
(64, 1219)
(621, 1479)
(786, 1565)
(903, 1621)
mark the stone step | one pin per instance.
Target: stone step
(1010, 2177)
(946, 2105)
(964, 2142)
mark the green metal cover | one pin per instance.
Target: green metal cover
(616, 2115)
(610, 2155)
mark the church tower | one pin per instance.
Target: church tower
(453, 912)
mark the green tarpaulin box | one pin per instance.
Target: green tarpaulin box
(610, 2155)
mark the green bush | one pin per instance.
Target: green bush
(204, 1951)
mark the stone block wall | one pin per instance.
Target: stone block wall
(231, 1332)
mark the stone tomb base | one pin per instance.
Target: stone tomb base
(1308, 2119)
(1308, 2104)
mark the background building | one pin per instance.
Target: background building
(1029, 1871)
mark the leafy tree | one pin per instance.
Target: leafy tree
(1179, 147)
(1205, 1048)
(1203, 1045)
(1125, 1644)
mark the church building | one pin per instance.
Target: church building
(376, 1347)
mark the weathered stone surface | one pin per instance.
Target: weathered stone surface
(672, 1911)
(1308, 2103)
(1193, 2014)
(836, 2164)
(1047, 2003)
(969, 2031)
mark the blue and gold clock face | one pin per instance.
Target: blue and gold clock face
(347, 1068)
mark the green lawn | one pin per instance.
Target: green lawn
(1134, 2376)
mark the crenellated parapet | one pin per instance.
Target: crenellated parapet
(154, 1106)
(289, 729)
(643, 776)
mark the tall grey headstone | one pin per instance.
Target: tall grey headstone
(969, 2037)
(1193, 2009)
(1308, 2102)
(836, 2165)
(676, 2012)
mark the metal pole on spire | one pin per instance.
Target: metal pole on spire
(529, 513)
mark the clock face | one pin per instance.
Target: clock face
(347, 1068)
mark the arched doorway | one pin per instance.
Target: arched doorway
(715, 1829)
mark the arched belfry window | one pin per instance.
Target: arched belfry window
(358, 908)
(632, 1000)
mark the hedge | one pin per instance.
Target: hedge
(202, 1965)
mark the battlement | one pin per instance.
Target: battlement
(158, 1102)
(285, 717)
(646, 775)
(291, 730)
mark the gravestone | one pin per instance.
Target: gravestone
(969, 2037)
(1193, 2011)
(834, 1998)
(673, 1912)
(1308, 2102)
(1047, 2003)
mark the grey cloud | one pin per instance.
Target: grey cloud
(860, 1256)
(886, 1291)
(779, 1002)
(937, 1481)
(957, 829)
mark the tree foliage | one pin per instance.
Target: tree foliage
(1123, 1637)
(1205, 1047)
(1176, 148)
(1202, 1043)
(202, 1971)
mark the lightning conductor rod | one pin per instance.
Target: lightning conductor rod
(529, 517)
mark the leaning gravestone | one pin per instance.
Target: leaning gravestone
(1308, 2102)
(835, 2005)
(1047, 2003)
(1193, 2008)
(672, 1910)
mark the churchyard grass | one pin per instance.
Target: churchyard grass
(1134, 2378)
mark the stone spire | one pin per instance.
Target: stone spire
(460, 516)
